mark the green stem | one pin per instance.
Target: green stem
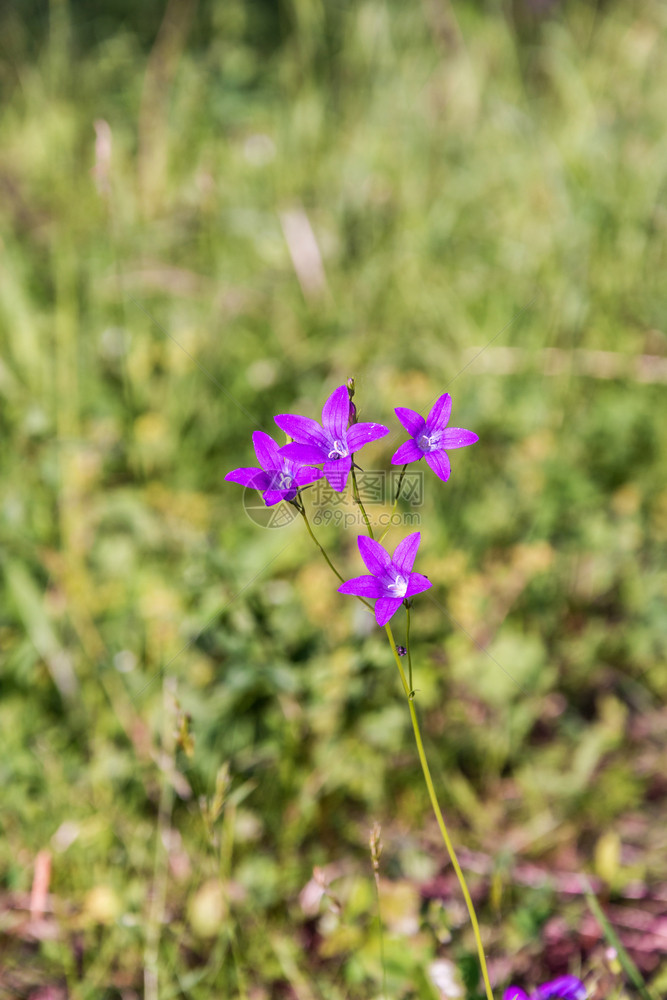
(302, 510)
(439, 817)
(407, 687)
(407, 646)
(393, 509)
(357, 500)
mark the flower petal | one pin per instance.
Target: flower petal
(266, 450)
(405, 552)
(376, 558)
(417, 584)
(515, 993)
(439, 462)
(306, 474)
(408, 452)
(413, 422)
(360, 434)
(303, 453)
(272, 497)
(362, 586)
(563, 988)
(438, 417)
(337, 472)
(457, 437)
(386, 608)
(302, 429)
(336, 413)
(257, 479)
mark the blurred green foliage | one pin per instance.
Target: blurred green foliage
(192, 718)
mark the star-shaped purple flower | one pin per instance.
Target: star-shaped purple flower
(279, 477)
(332, 443)
(563, 988)
(431, 438)
(391, 580)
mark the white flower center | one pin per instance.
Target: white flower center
(427, 442)
(399, 587)
(285, 481)
(338, 450)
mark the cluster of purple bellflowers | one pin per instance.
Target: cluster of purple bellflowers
(329, 449)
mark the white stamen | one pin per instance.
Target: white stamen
(399, 587)
(338, 450)
(427, 442)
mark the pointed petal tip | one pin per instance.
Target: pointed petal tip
(405, 552)
(386, 608)
(252, 478)
(362, 586)
(457, 437)
(439, 462)
(302, 430)
(361, 434)
(408, 452)
(440, 412)
(413, 422)
(336, 412)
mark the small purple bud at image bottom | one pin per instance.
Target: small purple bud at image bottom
(562, 988)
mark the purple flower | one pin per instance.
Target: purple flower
(563, 988)
(279, 478)
(431, 438)
(391, 580)
(333, 443)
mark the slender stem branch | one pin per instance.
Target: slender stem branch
(407, 646)
(357, 500)
(407, 688)
(302, 510)
(439, 817)
(393, 509)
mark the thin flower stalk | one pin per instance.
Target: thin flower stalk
(375, 586)
(395, 505)
(301, 507)
(359, 503)
(407, 648)
(438, 814)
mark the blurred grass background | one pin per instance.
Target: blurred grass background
(214, 212)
